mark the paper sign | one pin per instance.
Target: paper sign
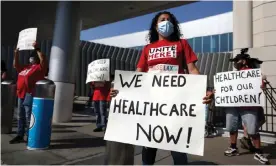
(238, 88)
(26, 39)
(98, 70)
(158, 110)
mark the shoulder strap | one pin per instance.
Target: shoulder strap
(183, 60)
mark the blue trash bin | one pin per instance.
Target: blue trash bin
(40, 128)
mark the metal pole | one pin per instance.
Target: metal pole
(8, 95)
(63, 57)
(119, 153)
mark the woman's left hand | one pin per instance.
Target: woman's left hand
(208, 98)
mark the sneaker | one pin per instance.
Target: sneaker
(98, 130)
(17, 139)
(231, 152)
(261, 158)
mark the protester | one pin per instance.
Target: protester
(3, 70)
(249, 116)
(246, 142)
(101, 92)
(27, 78)
(166, 51)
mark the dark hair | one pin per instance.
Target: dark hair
(244, 50)
(153, 34)
(251, 62)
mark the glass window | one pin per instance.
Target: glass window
(207, 44)
(215, 43)
(230, 42)
(198, 45)
(224, 42)
(191, 42)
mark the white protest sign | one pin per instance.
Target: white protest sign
(163, 111)
(238, 88)
(26, 39)
(98, 70)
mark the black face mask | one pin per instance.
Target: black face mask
(238, 66)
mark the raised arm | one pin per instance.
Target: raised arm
(16, 64)
(42, 58)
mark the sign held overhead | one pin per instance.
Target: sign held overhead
(26, 39)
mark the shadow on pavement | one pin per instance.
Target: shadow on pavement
(83, 121)
(77, 143)
(202, 163)
(77, 116)
(63, 131)
(86, 111)
(270, 150)
(65, 126)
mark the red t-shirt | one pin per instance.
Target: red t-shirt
(101, 93)
(27, 78)
(169, 54)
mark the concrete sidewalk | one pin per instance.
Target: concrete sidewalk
(75, 143)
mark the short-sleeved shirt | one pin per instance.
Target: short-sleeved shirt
(102, 93)
(27, 78)
(166, 56)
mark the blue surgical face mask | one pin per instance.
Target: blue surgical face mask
(165, 28)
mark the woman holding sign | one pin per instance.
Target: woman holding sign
(166, 53)
(28, 75)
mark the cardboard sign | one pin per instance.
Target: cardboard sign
(238, 88)
(98, 70)
(26, 39)
(158, 110)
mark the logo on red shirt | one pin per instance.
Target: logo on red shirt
(163, 52)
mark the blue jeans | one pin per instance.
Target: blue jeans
(101, 113)
(149, 154)
(24, 115)
(249, 119)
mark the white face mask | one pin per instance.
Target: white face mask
(165, 28)
(32, 60)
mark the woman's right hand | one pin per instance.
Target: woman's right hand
(113, 92)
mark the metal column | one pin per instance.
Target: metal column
(64, 53)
